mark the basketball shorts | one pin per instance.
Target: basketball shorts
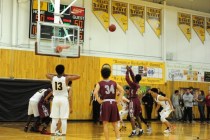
(134, 107)
(33, 108)
(60, 107)
(165, 113)
(123, 113)
(109, 111)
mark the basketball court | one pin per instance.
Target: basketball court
(88, 131)
(62, 40)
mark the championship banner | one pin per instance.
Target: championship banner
(100, 9)
(184, 23)
(208, 25)
(120, 14)
(152, 72)
(154, 20)
(137, 13)
(198, 25)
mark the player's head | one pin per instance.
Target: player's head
(60, 69)
(138, 78)
(127, 89)
(154, 91)
(161, 93)
(176, 91)
(105, 73)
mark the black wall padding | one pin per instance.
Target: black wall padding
(15, 95)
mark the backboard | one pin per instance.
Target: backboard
(51, 35)
(58, 28)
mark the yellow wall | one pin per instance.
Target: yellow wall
(27, 65)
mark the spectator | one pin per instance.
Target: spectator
(95, 107)
(148, 103)
(188, 104)
(175, 102)
(208, 106)
(201, 105)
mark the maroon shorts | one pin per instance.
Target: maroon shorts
(109, 112)
(44, 109)
(134, 107)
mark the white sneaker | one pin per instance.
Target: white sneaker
(167, 131)
(58, 133)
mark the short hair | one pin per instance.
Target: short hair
(138, 77)
(176, 91)
(127, 88)
(162, 94)
(105, 72)
(202, 92)
(60, 69)
(154, 90)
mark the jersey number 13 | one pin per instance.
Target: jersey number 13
(58, 86)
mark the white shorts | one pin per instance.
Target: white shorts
(123, 113)
(60, 107)
(165, 113)
(33, 108)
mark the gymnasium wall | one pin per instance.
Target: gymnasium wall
(26, 65)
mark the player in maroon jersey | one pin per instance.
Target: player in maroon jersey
(109, 111)
(44, 110)
(134, 105)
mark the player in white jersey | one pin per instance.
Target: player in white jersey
(124, 111)
(167, 108)
(33, 109)
(60, 103)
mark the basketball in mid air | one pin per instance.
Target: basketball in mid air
(112, 28)
(58, 49)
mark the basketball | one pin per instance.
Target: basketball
(112, 28)
(58, 49)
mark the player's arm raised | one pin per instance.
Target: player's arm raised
(50, 76)
(96, 90)
(127, 78)
(71, 77)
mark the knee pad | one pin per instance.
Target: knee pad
(163, 119)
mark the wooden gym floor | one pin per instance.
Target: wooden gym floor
(89, 131)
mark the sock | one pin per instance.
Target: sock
(53, 125)
(64, 125)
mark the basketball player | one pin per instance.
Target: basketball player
(134, 105)
(33, 109)
(44, 111)
(109, 111)
(57, 131)
(124, 111)
(60, 103)
(167, 108)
